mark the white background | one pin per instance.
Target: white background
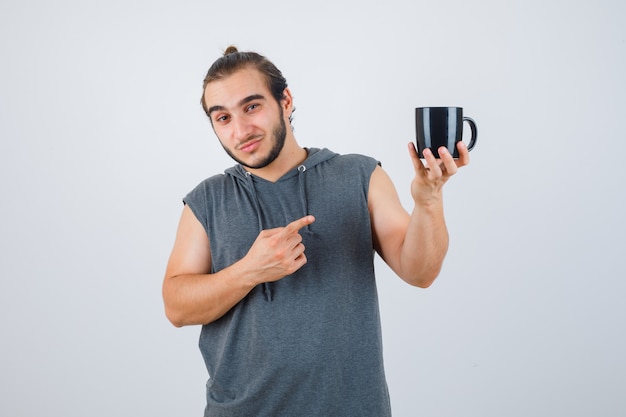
(102, 134)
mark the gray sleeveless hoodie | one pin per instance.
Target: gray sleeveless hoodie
(309, 344)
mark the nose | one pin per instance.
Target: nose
(241, 129)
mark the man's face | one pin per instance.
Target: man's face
(246, 118)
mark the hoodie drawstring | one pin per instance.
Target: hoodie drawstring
(267, 291)
(303, 199)
(257, 206)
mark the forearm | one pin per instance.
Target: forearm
(192, 299)
(194, 296)
(414, 245)
(425, 244)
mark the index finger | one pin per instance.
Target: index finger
(298, 224)
(415, 159)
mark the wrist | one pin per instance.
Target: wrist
(240, 276)
(431, 202)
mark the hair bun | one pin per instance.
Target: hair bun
(230, 50)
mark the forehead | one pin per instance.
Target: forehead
(230, 90)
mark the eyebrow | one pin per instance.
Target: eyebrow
(241, 103)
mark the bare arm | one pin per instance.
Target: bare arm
(414, 245)
(192, 295)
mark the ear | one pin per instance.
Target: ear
(287, 101)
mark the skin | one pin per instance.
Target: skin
(247, 121)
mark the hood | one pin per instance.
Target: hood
(315, 157)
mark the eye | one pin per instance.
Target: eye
(252, 107)
(221, 119)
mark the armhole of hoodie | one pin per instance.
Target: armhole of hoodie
(191, 200)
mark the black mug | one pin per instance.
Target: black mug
(442, 126)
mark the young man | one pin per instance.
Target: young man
(275, 257)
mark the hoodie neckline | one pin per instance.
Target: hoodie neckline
(315, 156)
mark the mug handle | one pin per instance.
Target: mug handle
(472, 124)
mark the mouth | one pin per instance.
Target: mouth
(250, 145)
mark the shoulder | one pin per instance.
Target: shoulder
(355, 158)
(354, 162)
(207, 194)
(213, 184)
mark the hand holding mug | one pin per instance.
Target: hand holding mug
(440, 143)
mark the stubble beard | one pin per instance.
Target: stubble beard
(279, 135)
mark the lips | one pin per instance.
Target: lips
(250, 145)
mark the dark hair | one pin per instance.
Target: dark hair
(233, 60)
